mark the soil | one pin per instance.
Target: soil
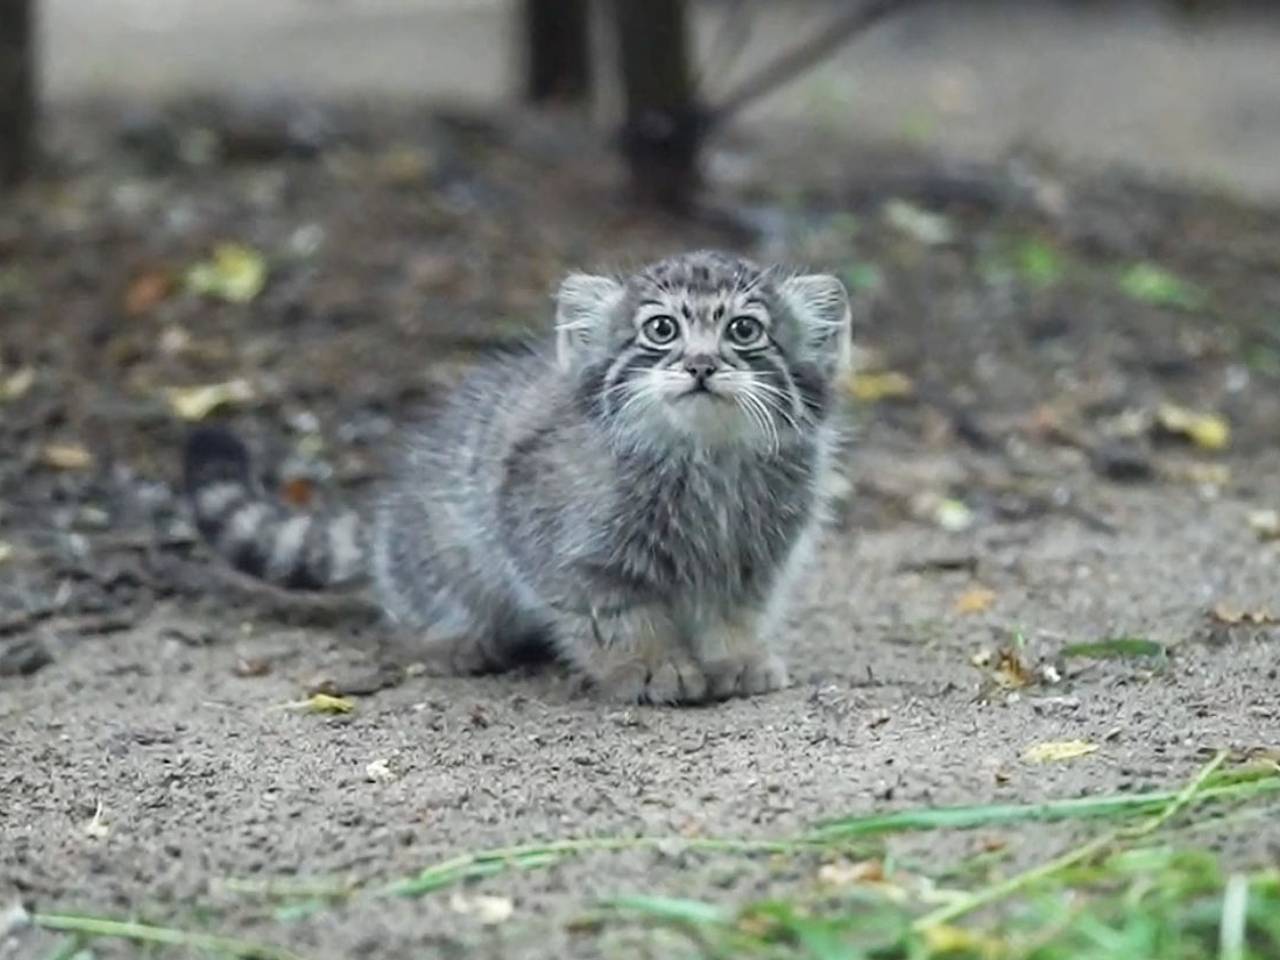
(146, 686)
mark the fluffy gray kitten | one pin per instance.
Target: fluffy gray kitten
(638, 499)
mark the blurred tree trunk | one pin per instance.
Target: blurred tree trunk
(557, 50)
(660, 134)
(17, 89)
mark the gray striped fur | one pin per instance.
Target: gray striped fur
(636, 501)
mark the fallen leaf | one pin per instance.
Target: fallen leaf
(923, 226)
(379, 771)
(16, 384)
(1206, 430)
(6, 551)
(1039, 264)
(1011, 672)
(1232, 618)
(943, 938)
(885, 385)
(147, 290)
(845, 874)
(952, 515)
(488, 910)
(298, 492)
(975, 600)
(1265, 523)
(95, 828)
(252, 667)
(1116, 647)
(1153, 284)
(321, 703)
(196, 403)
(1054, 752)
(235, 273)
(66, 456)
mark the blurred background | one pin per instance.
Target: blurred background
(1056, 218)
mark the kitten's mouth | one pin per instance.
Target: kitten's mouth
(700, 391)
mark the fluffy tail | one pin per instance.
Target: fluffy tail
(261, 538)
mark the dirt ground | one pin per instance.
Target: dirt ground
(1019, 498)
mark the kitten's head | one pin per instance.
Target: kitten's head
(706, 346)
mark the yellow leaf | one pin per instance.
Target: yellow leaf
(6, 551)
(953, 515)
(235, 273)
(975, 600)
(884, 385)
(943, 938)
(66, 456)
(1206, 430)
(1060, 750)
(17, 383)
(196, 403)
(323, 703)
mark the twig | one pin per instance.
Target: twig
(796, 61)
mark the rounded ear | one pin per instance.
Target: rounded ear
(583, 303)
(820, 304)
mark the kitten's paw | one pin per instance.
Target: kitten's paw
(456, 656)
(671, 681)
(745, 675)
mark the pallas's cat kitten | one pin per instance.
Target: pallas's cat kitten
(637, 500)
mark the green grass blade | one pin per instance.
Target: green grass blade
(167, 936)
(1080, 808)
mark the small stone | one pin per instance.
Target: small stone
(1123, 462)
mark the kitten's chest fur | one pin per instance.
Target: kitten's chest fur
(717, 525)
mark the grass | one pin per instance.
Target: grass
(1138, 889)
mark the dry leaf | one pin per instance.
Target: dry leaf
(321, 703)
(6, 551)
(252, 667)
(845, 874)
(66, 456)
(235, 273)
(1233, 618)
(96, 828)
(196, 403)
(1054, 752)
(943, 939)
(975, 600)
(923, 226)
(298, 492)
(883, 385)
(1011, 673)
(488, 910)
(379, 771)
(16, 384)
(1265, 523)
(147, 290)
(1206, 430)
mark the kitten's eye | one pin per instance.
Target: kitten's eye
(745, 331)
(660, 330)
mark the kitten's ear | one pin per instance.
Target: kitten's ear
(820, 304)
(582, 304)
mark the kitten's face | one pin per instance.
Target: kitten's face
(708, 347)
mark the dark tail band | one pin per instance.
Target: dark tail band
(257, 536)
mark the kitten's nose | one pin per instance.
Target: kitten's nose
(701, 367)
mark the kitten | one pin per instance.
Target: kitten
(638, 499)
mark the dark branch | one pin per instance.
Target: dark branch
(794, 62)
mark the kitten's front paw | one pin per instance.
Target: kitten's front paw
(671, 681)
(745, 675)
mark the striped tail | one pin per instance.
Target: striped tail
(263, 539)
